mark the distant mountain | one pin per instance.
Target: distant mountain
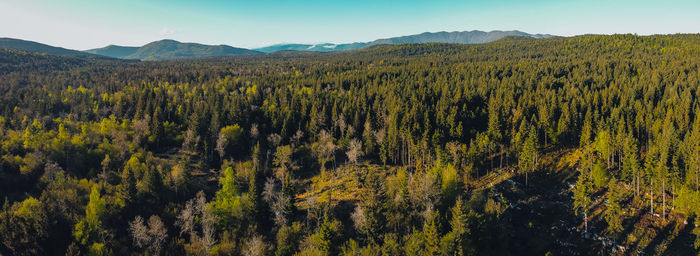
(464, 37)
(171, 49)
(115, 51)
(325, 47)
(29, 46)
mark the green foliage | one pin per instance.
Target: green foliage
(23, 227)
(440, 117)
(89, 231)
(582, 193)
(528, 155)
(431, 236)
(630, 165)
(600, 175)
(613, 210)
(227, 201)
(686, 201)
(449, 179)
(288, 238)
(324, 240)
(603, 144)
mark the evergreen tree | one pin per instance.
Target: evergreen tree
(582, 195)
(528, 155)
(613, 210)
(431, 235)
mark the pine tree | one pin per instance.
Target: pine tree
(582, 195)
(585, 139)
(459, 225)
(613, 210)
(431, 236)
(630, 164)
(528, 155)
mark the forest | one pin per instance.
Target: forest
(580, 145)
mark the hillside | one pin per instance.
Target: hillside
(171, 49)
(29, 46)
(464, 37)
(115, 51)
(585, 145)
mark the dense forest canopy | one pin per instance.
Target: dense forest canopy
(389, 150)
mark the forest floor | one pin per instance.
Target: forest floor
(543, 218)
(539, 218)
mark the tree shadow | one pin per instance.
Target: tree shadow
(540, 219)
(659, 238)
(683, 243)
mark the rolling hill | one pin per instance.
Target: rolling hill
(30, 46)
(115, 51)
(170, 49)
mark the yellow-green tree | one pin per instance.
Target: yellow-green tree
(227, 201)
(89, 232)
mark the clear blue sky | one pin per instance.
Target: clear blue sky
(85, 24)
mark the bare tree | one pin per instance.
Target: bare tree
(379, 135)
(185, 220)
(324, 148)
(158, 234)
(354, 151)
(255, 246)
(278, 201)
(152, 236)
(196, 208)
(296, 139)
(139, 232)
(208, 229)
(314, 211)
(191, 140)
(121, 142)
(254, 132)
(423, 189)
(350, 131)
(141, 128)
(359, 219)
(221, 145)
(283, 161)
(274, 139)
(269, 190)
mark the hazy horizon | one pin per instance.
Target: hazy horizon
(83, 24)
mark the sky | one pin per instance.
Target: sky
(87, 24)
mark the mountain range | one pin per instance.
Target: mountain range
(171, 49)
(457, 37)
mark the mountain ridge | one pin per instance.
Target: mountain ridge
(114, 51)
(167, 49)
(459, 37)
(31, 46)
(170, 49)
